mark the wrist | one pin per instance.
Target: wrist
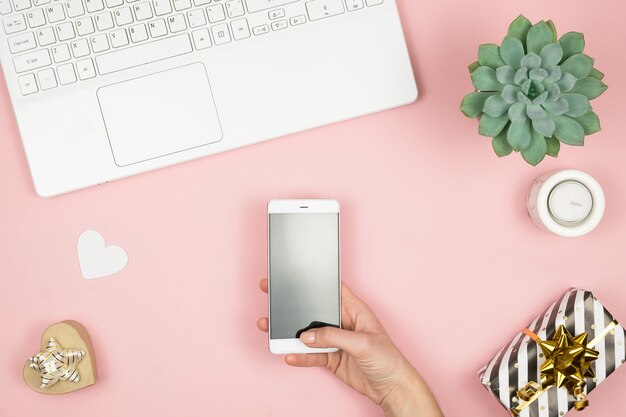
(411, 397)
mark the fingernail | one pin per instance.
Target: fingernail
(308, 337)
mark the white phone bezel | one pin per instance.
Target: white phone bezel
(306, 206)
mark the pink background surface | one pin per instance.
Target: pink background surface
(435, 238)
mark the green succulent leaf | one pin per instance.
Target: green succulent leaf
(569, 131)
(473, 66)
(553, 29)
(538, 74)
(596, 74)
(554, 92)
(590, 123)
(519, 136)
(489, 56)
(545, 126)
(495, 106)
(473, 103)
(536, 112)
(558, 107)
(573, 43)
(579, 65)
(590, 87)
(505, 75)
(517, 112)
(500, 145)
(492, 127)
(554, 146)
(512, 51)
(531, 61)
(519, 28)
(554, 75)
(539, 36)
(509, 93)
(484, 79)
(536, 151)
(551, 55)
(567, 82)
(578, 104)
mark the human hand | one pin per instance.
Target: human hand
(367, 361)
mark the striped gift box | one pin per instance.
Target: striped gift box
(518, 363)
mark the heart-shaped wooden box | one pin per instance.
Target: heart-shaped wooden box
(71, 335)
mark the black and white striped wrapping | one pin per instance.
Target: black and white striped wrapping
(518, 362)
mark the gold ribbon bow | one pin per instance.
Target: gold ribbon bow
(568, 363)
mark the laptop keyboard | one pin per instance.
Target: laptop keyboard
(55, 43)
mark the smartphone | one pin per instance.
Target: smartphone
(304, 288)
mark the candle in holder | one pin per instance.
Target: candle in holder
(569, 203)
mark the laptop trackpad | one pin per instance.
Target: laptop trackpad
(159, 114)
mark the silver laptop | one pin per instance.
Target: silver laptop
(105, 89)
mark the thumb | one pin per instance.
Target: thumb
(355, 343)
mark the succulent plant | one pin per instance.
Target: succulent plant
(533, 91)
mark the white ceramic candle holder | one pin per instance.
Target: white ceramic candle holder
(568, 203)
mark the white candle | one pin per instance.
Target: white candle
(569, 203)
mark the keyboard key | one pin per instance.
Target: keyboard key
(258, 5)
(80, 48)
(85, 69)
(234, 8)
(144, 54)
(100, 43)
(74, 8)
(123, 16)
(240, 28)
(181, 5)
(45, 36)
(84, 26)
(20, 5)
(66, 74)
(65, 31)
(27, 83)
(119, 38)
(138, 33)
(13, 24)
(260, 30)
(196, 18)
(36, 18)
(162, 7)
(201, 2)
(104, 21)
(32, 61)
(55, 13)
(215, 13)
(22, 42)
(94, 6)
(176, 23)
(143, 11)
(5, 7)
(47, 79)
(352, 5)
(279, 25)
(297, 20)
(276, 14)
(157, 28)
(41, 2)
(201, 38)
(373, 2)
(221, 34)
(61, 53)
(114, 3)
(321, 9)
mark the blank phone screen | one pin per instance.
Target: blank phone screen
(304, 273)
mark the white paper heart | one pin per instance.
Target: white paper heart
(98, 260)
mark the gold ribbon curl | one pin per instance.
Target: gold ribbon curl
(568, 363)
